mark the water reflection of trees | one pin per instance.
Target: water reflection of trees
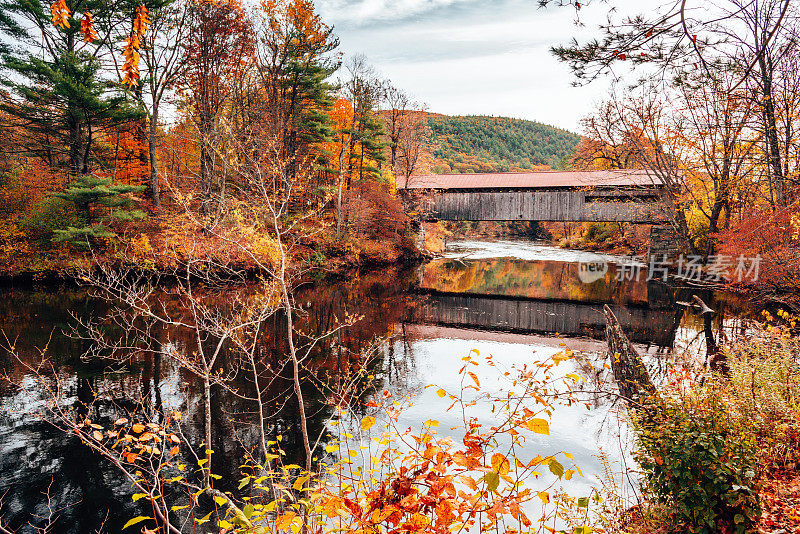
(149, 379)
(508, 277)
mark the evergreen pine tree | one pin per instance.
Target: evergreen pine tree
(371, 135)
(54, 75)
(90, 193)
(300, 69)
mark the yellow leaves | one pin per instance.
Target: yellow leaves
(300, 482)
(87, 28)
(60, 13)
(430, 423)
(538, 425)
(441, 392)
(221, 501)
(136, 520)
(367, 423)
(562, 356)
(138, 428)
(500, 464)
(544, 496)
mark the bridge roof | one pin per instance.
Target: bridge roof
(532, 180)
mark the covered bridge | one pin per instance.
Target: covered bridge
(634, 196)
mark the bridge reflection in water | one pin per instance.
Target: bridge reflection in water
(542, 297)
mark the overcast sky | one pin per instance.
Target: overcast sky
(474, 57)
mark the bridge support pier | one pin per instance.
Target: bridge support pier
(663, 240)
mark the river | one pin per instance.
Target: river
(516, 301)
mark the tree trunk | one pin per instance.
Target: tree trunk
(155, 191)
(771, 131)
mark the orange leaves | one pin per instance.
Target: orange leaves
(141, 21)
(285, 521)
(133, 44)
(87, 28)
(500, 464)
(474, 378)
(433, 484)
(138, 428)
(60, 13)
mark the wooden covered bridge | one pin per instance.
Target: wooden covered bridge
(634, 196)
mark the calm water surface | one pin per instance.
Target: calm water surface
(517, 301)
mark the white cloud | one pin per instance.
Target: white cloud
(487, 57)
(365, 11)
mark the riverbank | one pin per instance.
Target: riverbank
(164, 243)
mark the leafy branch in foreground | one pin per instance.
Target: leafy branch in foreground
(375, 476)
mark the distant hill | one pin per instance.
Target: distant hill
(497, 144)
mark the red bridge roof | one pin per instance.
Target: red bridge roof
(532, 180)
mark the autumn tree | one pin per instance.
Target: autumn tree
(397, 108)
(358, 147)
(161, 59)
(720, 155)
(364, 90)
(295, 63)
(218, 46)
(412, 144)
(746, 42)
(636, 132)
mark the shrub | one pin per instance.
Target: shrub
(601, 234)
(49, 215)
(697, 466)
(764, 390)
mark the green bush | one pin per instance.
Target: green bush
(49, 215)
(601, 233)
(697, 466)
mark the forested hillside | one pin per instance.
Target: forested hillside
(497, 144)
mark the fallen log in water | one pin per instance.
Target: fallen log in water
(632, 378)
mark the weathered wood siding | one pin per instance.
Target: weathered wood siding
(646, 325)
(564, 205)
